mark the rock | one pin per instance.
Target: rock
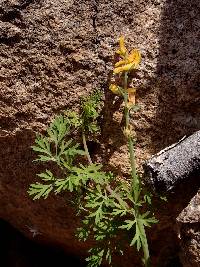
(174, 165)
(9, 33)
(189, 234)
(52, 52)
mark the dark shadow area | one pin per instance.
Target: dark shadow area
(18, 251)
(112, 136)
(178, 113)
(11, 11)
(178, 73)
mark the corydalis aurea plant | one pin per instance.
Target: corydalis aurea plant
(127, 63)
(111, 211)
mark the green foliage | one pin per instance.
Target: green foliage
(60, 149)
(110, 209)
(96, 257)
(90, 106)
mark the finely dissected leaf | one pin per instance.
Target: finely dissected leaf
(39, 149)
(82, 233)
(55, 147)
(61, 184)
(73, 118)
(39, 190)
(90, 112)
(91, 172)
(109, 256)
(46, 176)
(138, 238)
(58, 129)
(44, 158)
(79, 176)
(98, 214)
(70, 183)
(147, 198)
(64, 146)
(42, 146)
(66, 164)
(93, 128)
(90, 105)
(128, 224)
(119, 212)
(98, 203)
(73, 151)
(96, 257)
(148, 221)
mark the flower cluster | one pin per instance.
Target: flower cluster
(126, 63)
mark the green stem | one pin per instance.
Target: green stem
(126, 99)
(135, 182)
(132, 161)
(86, 148)
(108, 188)
(130, 141)
(144, 245)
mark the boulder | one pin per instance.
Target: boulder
(174, 165)
(188, 223)
(54, 51)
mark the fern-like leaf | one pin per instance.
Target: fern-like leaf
(58, 129)
(39, 190)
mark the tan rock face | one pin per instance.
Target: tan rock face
(53, 51)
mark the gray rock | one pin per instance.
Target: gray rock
(188, 223)
(174, 165)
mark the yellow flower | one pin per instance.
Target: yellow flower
(135, 56)
(122, 49)
(131, 62)
(114, 88)
(121, 62)
(126, 67)
(131, 97)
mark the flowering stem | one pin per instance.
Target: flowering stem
(126, 99)
(135, 182)
(130, 140)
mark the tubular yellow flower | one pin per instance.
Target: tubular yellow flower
(135, 57)
(131, 96)
(126, 67)
(122, 50)
(114, 88)
(132, 61)
(120, 63)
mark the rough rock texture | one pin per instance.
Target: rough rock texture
(53, 51)
(174, 165)
(188, 227)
